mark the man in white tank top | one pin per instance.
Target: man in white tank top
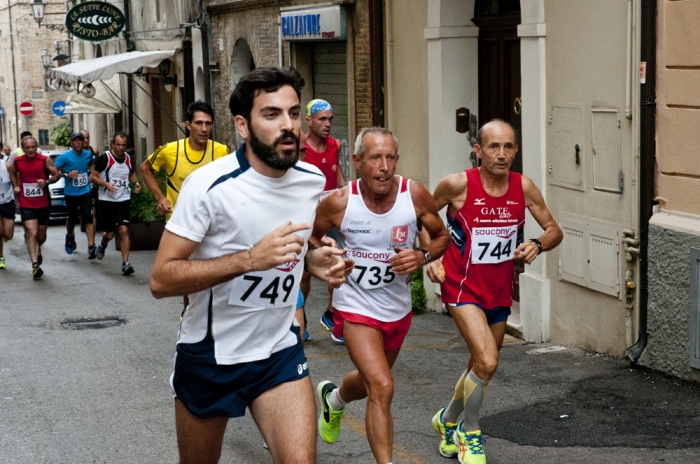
(111, 173)
(7, 205)
(377, 217)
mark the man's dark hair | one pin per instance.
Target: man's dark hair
(25, 134)
(480, 133)
(262, 80)
(198, 105)
(118, 134)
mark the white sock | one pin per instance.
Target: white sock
(335, 400)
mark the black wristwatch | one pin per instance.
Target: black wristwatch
(426, 254)
(538, 243)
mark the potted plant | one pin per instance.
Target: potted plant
(146, 226)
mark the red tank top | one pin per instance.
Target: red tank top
(327, 162)
(485, 232)
(31, 169)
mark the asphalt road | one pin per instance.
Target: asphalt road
(102, 395)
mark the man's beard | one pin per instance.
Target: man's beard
(268, 155)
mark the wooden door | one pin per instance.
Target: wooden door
(499, 66)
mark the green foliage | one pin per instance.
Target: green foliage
(144, 205)
(418, 295)
(60, 134)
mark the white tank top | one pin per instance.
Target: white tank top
(118, 174)
(373, 290)
(6, 193)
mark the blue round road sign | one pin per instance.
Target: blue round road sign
(2, 112)
(59, 108)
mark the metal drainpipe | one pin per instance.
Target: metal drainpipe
(204, 22)
(647, 156)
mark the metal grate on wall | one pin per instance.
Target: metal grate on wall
(694, 345)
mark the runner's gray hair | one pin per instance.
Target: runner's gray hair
(360, 146)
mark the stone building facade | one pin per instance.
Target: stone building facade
(22, 74)
(248, 34)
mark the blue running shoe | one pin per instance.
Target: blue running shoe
(337, 341)
(327, 322)
(307, 337)
(70, 244)
(100, 251)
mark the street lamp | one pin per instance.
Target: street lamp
(38, 10)
(46, 61)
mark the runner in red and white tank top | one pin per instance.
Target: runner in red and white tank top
(486, 215)
(377, 217)
(479, 265)
(373, 289)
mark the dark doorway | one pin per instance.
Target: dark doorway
(499, 65)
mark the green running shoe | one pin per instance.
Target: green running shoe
(329, 420)
(446, 431)
(471, 446)
(2, 262)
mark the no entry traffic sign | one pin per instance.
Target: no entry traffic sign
(26, 108)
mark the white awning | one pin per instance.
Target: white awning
(105, 67)
(107, 99)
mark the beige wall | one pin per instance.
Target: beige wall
(678, 102)
(407, 84)
(586, 68)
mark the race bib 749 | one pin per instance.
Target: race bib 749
(274, 288)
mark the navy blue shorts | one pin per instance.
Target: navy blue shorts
(493, 316)
(212, 390)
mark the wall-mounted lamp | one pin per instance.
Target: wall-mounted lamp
(168, 81)
(38, 8)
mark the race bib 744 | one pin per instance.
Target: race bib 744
(491, 245)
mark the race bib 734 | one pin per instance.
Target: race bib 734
(491, 245)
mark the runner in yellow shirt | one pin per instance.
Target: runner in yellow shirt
(181, 158)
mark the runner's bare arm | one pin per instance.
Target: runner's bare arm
(133, 178)
(329, 214)
(14, 177)
(97, 180)
(407, 261)
(149, 178)
(451, 192)
(174, 273)
(53, 170)
(552, 236)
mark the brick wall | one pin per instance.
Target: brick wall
(259, 27)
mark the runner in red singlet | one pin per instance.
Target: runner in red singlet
(30, 178)
(486, 215)
(323, 151)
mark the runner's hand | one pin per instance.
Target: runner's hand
(164, 206)
(327, 263)
(112, 188)
(406, 261)
(17, 191)
(436, 272)
(280, 246)
(73, 174)
(526, 252)
(137, 187)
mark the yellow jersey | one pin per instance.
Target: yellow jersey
(179, 160)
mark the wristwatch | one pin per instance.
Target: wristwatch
(538, 243)
(427, 255)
